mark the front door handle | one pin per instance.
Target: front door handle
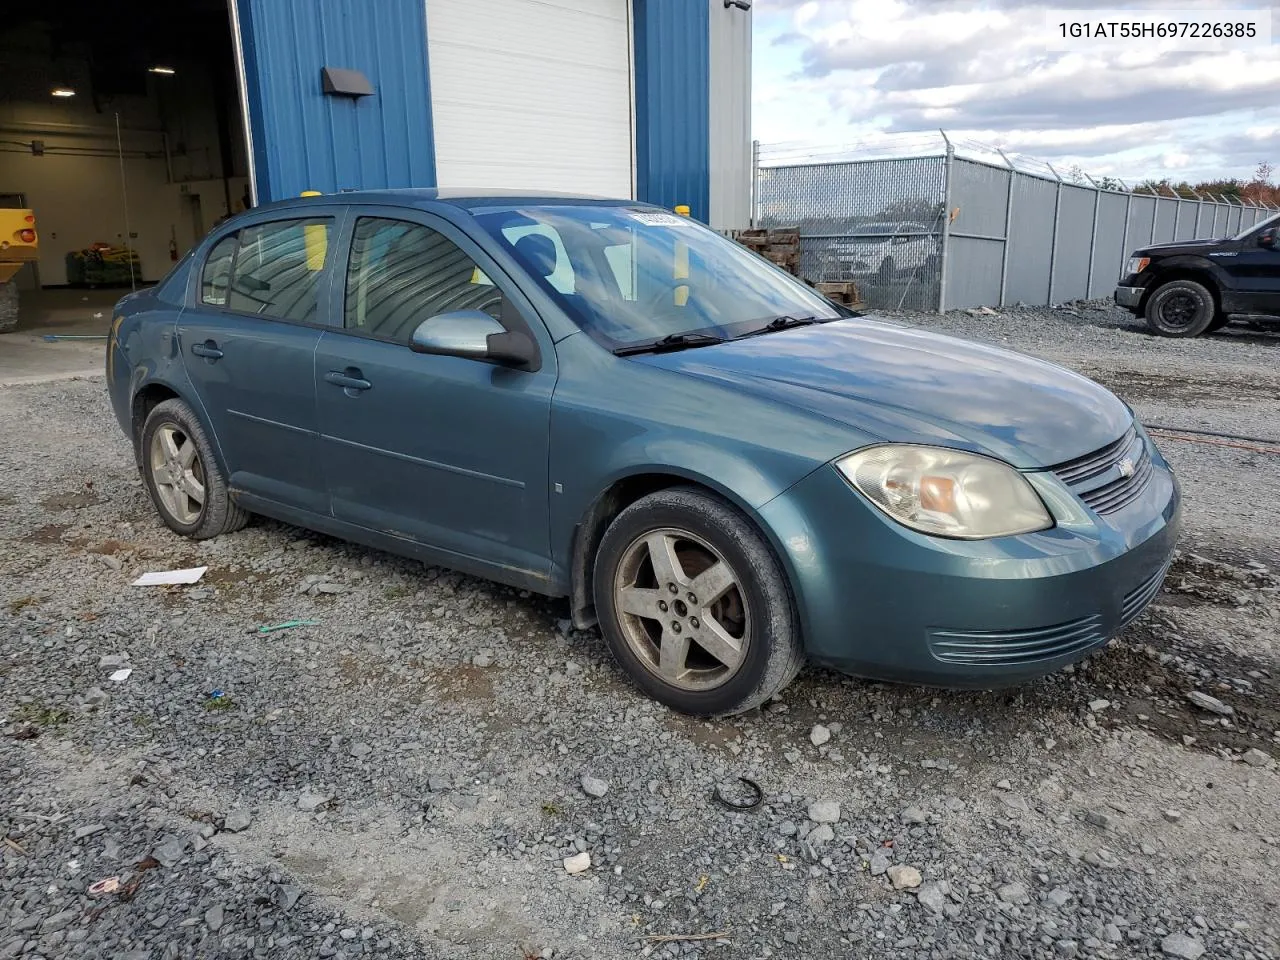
(350, 379)
(209, 350)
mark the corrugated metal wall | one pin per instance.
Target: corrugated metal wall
(304, 140)
(1110, 247)
(729, 109)
(672, 65)
(1030, 240)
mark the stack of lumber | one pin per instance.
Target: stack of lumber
(779, 246)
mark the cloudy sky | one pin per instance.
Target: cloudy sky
(835, 72)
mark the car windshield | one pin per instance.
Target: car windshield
(1258, 227)
(632, 275)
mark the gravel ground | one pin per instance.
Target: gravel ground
(412, 776)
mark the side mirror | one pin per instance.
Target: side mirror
(475, 335)
(1267, 238)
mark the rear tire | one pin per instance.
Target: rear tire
(182, 475)
(1181, 308)
(888, 270)
(694, 605)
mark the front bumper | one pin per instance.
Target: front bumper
(879, 600)
(1129, 297)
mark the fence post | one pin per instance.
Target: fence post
(1008, 226)
(946, 225)
(1124, 237)
(1195, 231)
(1177, 218)
(1053, 247)
(1155, 215)
(1093, 235)
(755, 183)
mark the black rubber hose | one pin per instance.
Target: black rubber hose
(1208, 433)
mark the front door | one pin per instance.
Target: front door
(249, 346)
(1255, 273)
(448, 452)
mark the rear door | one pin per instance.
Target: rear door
(248, 343)
(445, 451)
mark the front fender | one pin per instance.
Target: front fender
(1180, 266)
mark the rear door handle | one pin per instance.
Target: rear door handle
(350, 380)
(209, 350)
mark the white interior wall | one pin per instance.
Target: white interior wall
(78, 202)
(77, 199)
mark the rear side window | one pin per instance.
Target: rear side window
(402, 273)
(271, 269)
(215, 280)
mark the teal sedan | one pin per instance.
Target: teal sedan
(608, 402)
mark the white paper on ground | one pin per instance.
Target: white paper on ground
(161, 578)
(120, 676)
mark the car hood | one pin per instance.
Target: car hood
(893, 383)
(1191, 246)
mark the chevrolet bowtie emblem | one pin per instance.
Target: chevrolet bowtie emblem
(1125, 467)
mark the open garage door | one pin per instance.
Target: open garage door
(532, 94)
(120, 129)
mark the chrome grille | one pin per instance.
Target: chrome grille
(1016, 646)
(1099, 479)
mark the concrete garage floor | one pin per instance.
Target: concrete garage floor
(25, 357)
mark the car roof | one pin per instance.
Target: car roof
(455, 196)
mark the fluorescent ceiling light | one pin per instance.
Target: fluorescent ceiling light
(63, 92)
(163, 71)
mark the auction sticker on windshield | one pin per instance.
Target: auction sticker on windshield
(661, 219)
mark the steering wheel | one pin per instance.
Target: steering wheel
(665, 296)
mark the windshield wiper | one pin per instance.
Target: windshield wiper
(783, 322)
(672, 341)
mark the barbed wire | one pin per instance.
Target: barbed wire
(903, 146)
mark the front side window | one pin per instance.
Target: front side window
(277, 269)
(1257, 228)
(639, 274)
(401, 273)
(215, 279)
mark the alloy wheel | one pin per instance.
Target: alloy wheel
(177, 473)
(682, 610)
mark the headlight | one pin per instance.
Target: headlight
(1136, 264)
(945, 492)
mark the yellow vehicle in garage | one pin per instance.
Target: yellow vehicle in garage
(18, 246)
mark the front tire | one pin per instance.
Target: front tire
(182, 475)
(694, 605)
(1181, 308)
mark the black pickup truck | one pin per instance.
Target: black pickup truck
(1191, 287)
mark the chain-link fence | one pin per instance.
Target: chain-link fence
(955, 229)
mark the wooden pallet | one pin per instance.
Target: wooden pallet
(780, 247)
(841, 291)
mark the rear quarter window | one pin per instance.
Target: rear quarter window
(215, 278)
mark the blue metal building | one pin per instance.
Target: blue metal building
(641, 98)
